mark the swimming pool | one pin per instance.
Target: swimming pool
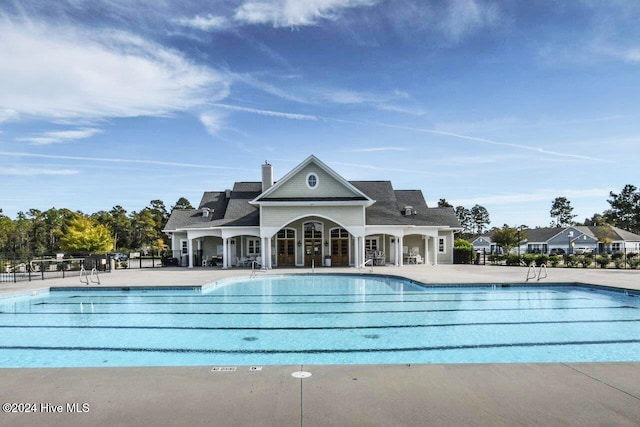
(318, 319)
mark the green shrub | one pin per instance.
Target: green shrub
(123, 264)
(585, 260)
(603, 261)
(554, 260)
(529, 258)
(462, 244)
(634, 263)
(572, 261)
(542, 259)
(618, 263)
(513, 259)
(496, 259)
(617, 256)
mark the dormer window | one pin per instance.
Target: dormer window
(206, 212)
(408, 210)
(312, 181)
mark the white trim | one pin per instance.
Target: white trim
(444, 244)
(376, 239)
(253, 240)
(301, 166)
(363, 203)
(306, 181)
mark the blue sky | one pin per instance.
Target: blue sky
(502, 103)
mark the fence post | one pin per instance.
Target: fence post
(15, 280)
(42, 269)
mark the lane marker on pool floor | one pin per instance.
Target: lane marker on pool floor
(224, 369)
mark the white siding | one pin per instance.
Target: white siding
(279, 216)
(327, 186)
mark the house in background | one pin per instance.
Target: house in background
(312, 216)
(572, 239)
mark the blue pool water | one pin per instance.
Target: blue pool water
(318, 319)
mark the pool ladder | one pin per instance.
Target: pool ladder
(531, 272)
(364, 264)
(93, 278)
(254, 270)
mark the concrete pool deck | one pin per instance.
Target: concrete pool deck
(567, 394)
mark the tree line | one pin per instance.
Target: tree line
(37, 232)
(473, 220)
(624, 211)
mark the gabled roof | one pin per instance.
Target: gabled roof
(357, 194)
(383, 204)
(542, 234)
(602, 232)
(389, 207)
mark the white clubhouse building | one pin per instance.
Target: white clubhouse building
(312, 216)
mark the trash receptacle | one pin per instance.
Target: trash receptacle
(327, 261)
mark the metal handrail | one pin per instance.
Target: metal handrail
(542, 266)
(97, 277)
(361, 266)
(255, 263)
(532, 268)
(83, 273)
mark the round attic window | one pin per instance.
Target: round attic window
(312, 181)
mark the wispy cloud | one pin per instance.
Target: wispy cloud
(464, 16)
(376, 149)
(205, 23)
(35, 171)
(213, 121)
(60, 136)
(119, 160)
(7, 115)
(294, 116)
(65, 72)
(536, 196)
(388, 169)
(475, 139)
(270, 88)
(281, 13)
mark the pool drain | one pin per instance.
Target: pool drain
(301, 374)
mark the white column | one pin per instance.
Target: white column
(362, 250)
(268, 263)
(401, 250)
(426, 249)
(354, 250)
(395, 251)
(435, 251)
(199, 249)
(225, 253)
(190, 251)
(263, 252)
(384, 244)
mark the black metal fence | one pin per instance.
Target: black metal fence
(135, 261)
(14, 268)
